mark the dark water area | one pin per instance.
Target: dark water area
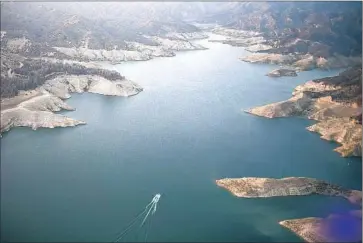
(184, 131)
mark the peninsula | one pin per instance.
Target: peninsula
(39, 71)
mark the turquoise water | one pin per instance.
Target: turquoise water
(184, 131)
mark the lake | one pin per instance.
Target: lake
(184, 131)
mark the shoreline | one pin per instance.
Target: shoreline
(39, 109)
(259, 48)
(319, 101)
(51, 99)
(167, 46)
(301, 101)
(335, 104)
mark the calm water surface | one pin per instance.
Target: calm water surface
(184, 131)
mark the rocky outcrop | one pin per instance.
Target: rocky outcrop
(62, 86)
(253, 187)
(235, 33)
(334, 62)
(103, 86)
(295, 106)
(304, 104)
(37, 112)
(332, 101)
(35, 119)
(344, 131)
(303, 62)
(307, 228)
(268, 58)
(71, 62)
(103, 55)
(332, 126)
(135, 51)
(258, 47)
(338, 61)
(153, 51)
(176, 44)
(282, 72)
(186, 36)
(252, 41)
(35, 108)
(245, 42)
(346, 227)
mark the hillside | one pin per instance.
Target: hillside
(117, 32)
(52, 25)
(317, 28)
(36, 36)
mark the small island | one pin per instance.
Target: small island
(254, 187)
(282, 72)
